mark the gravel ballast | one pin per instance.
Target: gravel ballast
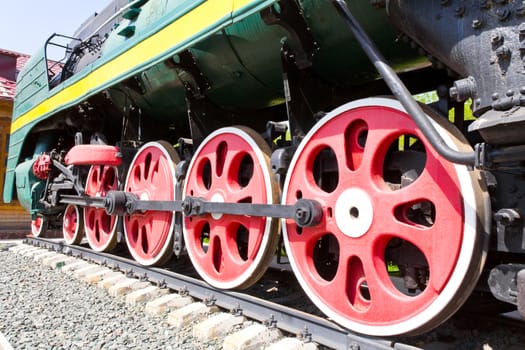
(42, 308)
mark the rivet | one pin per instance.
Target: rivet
(509, 93)
(495, 96)
(522, 90)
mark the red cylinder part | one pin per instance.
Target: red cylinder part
(41, 166)
(94, 155)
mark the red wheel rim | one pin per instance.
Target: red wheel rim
(151, 176)
(72, 225)
(100, 228)
(361, 216)
(38, 226)
(229, 250)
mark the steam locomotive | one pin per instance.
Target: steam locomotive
(235, 131)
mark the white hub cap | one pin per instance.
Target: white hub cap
(217, 198)
(354, 212)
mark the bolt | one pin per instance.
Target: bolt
(503, 14)
(354, 346)
(521, 28)
(477, 23)
(520, 10)
(486, 4)
(503, 52)
(197, 207)
(454, 92)
(459, 11)
(463, 89)
(496, 39)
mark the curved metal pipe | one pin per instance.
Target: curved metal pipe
(401, 92)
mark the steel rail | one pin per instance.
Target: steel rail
(311, 327)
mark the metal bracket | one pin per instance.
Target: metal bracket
(288, 14)
(301, 84)
(70, 175)
(503, 282)
(180, 174)
(198, 105)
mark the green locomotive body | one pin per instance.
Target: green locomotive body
(232, 131)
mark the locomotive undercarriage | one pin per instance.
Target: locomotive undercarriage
(386, 235)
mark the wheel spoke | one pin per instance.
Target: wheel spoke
(248, 235)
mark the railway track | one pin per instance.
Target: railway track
(308, 329)
(283, 322)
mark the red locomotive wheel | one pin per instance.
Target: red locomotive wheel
(38, 226)
(429, 215)
(231, 251)
(72, 225)
(151, 176)
(100, 228)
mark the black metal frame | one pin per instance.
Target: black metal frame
(483, 156)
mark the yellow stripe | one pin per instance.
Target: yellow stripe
(183, 28)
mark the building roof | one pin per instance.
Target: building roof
(21, 61)
(21, 58)
(11, 53)
(7, 87)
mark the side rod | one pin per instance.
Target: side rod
(305, 212)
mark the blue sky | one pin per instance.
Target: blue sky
(26, 24)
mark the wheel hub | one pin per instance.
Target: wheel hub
(218, 198)
(354, 212)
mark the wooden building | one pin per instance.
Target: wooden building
(12, 216)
